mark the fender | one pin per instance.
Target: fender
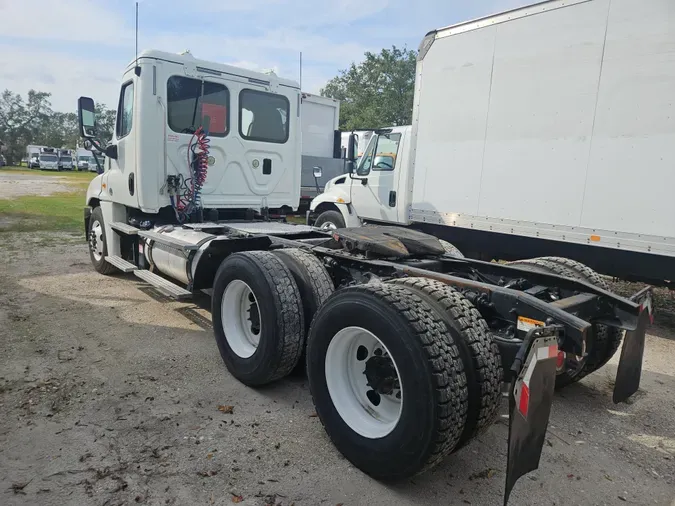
(336, 191)
(95, 190)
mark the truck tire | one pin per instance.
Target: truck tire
(330, 220)
(605, 339)
(313, 281)
(257, 317)
(386, 378)
(451, 249)
(98, 244)
(608, 339)
(477, 349)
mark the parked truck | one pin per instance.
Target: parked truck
(548, 130)
(319, 119)
(409, 344)
(65, 159)
(33, 156)
(49, 159)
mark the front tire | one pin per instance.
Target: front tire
(330, 220)
(386, 380)
(257, 317)
(98, 244)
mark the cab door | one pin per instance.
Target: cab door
(374, 190)
(120, 172)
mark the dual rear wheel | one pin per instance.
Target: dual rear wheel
(401, 373)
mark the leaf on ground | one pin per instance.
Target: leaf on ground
(482, 475)
(228, 410)
(237, 498)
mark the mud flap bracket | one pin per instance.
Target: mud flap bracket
(530, 401)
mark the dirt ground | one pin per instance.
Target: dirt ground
(111, 395)
(18, 185)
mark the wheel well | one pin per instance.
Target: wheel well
(94, 203)
(326, 206)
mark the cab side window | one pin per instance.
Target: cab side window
(263, 116)
(386, 152)
(192, 103)
(125, 111)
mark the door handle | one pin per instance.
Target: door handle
(392, 198)
(131, 184)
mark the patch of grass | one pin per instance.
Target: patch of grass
(67, 174)
(60, 211)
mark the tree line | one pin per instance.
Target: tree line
(32, 121)
(378, 92)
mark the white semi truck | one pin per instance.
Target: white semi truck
(65, 159)
(548, 130)
(408, 346)
(48, 159)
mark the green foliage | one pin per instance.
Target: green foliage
(32, 121)
(377, 92)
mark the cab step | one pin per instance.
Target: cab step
(167, 240)
(120, 263)
(165, 286)
(124, 228)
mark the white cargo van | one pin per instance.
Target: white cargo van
(547, 130)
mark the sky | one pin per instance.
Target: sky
(80, 47)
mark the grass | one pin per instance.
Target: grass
(56, 212)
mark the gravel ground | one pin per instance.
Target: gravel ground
(111, 395)
(19, 185)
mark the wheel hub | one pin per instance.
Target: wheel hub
(381, 374)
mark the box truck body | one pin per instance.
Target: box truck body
(319, 120)
(545, 130)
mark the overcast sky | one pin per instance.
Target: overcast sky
(79, 47)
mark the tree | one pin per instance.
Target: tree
(19, 119)
(105, 120)
(377, 92)
(33, 122)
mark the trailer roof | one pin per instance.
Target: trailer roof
(209, 67)
(493, 19)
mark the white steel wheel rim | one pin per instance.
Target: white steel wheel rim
(240, 314)
(96, 240)
(348, 386)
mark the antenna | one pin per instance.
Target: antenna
(137, 70)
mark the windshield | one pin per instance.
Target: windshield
(48, 158)
(82, 158)
(66, 159)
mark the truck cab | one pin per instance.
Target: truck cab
(172, 106)
(374, 190)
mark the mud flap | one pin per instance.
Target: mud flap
(629, 372)
(530, 401)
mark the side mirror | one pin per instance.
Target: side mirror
(351, 148)
(86, 117)
(318, 172)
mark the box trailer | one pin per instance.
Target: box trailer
(545, 130)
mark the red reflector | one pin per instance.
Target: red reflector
(561, 360)
(524, 400)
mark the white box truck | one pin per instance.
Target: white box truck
(408, 346)
(319, 121)
(33, 155)
(547, 130)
